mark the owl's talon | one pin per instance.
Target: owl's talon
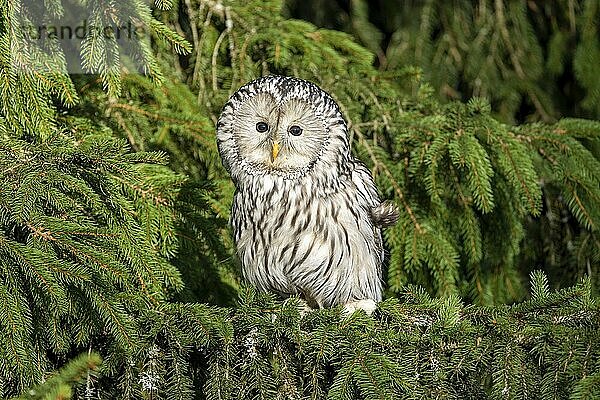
(367, 305)
(304, 308)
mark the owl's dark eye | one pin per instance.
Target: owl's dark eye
(262, 127)
(295, 130)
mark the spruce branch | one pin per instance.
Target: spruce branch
(60, 386)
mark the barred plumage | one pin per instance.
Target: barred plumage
(306, 215)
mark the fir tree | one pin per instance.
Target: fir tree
(531, 59)
(60, 386)
(114, 209)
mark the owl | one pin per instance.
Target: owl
(306, 216)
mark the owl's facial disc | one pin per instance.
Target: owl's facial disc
(280, 138)
(255, 125)
(300, 137)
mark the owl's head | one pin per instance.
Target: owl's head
(282, 126)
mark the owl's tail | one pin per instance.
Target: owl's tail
(385, 214)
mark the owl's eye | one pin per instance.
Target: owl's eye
(262, 127)
(295, 130)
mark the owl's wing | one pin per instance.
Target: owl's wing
(386, 214)
(383, 214)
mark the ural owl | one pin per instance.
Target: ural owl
(306, 215)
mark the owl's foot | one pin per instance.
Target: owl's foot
(367, 305)
(304, 308)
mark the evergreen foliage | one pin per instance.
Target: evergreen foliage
(534, 60)
(415, 347)
(114, 207)
(63, 205)
(60, 386)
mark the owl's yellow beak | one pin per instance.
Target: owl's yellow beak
(275, 150)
